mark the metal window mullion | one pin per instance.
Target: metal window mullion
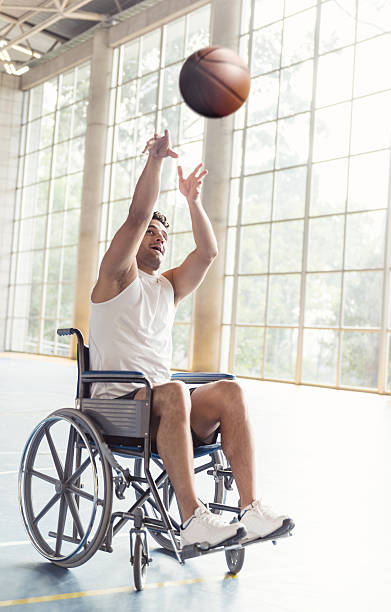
(48, 224)
(271, 221)
(341, 329)
(383, 360)
(22, 159)
(240, 208)
(300, 339)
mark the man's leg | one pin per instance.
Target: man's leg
(222, 403)
(171, 430)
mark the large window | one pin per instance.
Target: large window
(306, 285)
(46, 226)
(145, 98)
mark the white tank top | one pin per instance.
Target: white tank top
(132, 331)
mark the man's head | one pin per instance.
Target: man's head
(153, 245)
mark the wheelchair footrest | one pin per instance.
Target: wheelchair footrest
(282, 532)
(201, 548)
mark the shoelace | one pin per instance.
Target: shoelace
(210, 518)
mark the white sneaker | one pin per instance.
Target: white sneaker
(260, 521)
(204, 526)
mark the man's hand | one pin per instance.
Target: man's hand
(190, 187)
(159, 146)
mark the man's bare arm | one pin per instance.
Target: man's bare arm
(189, 275)
(120, 258)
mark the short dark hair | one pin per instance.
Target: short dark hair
(162, 218)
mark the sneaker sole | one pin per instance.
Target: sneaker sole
(200, 547)
(285, 528)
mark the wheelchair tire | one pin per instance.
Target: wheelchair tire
(235, 559)
(140, 563)
(67, 502)
(169, 499)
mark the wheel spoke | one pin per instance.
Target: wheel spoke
(70, 453)
(84, 494)
(56, 458)
(46, 509)
(61, 523)
(75, 514)
(78, 472)
(42, 476)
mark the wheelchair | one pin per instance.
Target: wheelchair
(72, 465)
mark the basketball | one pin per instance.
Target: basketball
(214, 81)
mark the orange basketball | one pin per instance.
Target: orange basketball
(214, 81)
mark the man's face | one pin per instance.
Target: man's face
(153, 246)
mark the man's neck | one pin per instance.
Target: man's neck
(147, 270)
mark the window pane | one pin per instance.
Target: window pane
(150, 51)
(184, 310)
(265, 88)
(182, 245)
(234, 202)
(298, 40)
(328, 187)
(175, 40)
(260, 148)
(170, 120)
(129, 61)
(280, 354)
(325, 243)
(266, 50)
(254, 248)
(322, 299)
(296, 89)
(320, 357)
(370, 75)
(83, 74)
(191, 123)
(373, 17)
(251, 300)
(257, 197)
(267, 11)
(237, 153)
(365, 240)
(359, 361)
(292, 140)
(371, 123)
(122, 179)
(198, 26)
(335, 77)
(284, 300)
(54, 262)
(287, 238)
(147, 101)
(227, 302)
(180, 341)
(368, 181)
(248, 351)
(337, 24)
(362, 299)
(331, 138)
(230, 250)
(289, 193)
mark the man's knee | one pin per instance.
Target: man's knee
(173, 399)
(231, 397)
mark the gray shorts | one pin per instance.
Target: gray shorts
(136, 441)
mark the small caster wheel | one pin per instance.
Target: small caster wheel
(235, 559)
(140, 563)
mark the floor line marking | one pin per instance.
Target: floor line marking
(113, 590)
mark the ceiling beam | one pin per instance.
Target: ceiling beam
(64, 13)
(14, 22)
(47, 23)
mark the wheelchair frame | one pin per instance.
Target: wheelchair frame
(90, 422)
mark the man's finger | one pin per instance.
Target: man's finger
(180, 172)
(172, 153)
(197, 168)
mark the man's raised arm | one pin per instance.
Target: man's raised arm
(120, 258)
(189, 275)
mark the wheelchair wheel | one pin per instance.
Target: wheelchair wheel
(169, 499)
(65, 488)
(140, 563)
(235, 559)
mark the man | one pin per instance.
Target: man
(132, 312)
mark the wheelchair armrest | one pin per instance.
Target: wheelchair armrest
(94, 376)
(200, 378)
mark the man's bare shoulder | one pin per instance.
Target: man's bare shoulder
(108, 287)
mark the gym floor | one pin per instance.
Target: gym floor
(323, 456)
